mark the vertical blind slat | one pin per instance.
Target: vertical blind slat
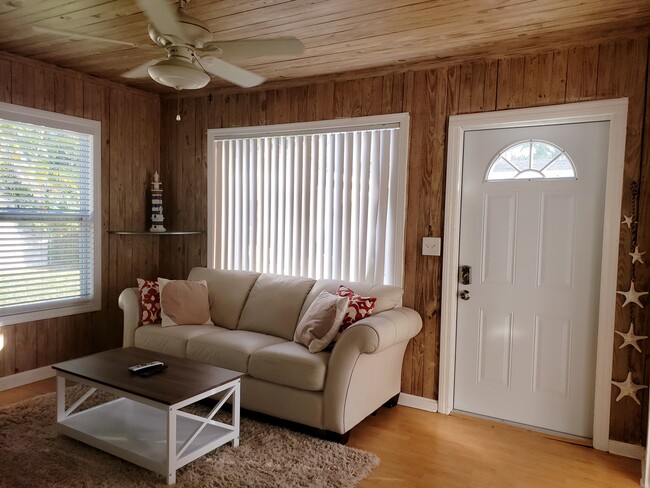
(239, 168)
(363, 204)
(354, 224)
(231, 206)
(245, 231)
(280, 211)
(313, 203)
(266, 217)
(288, 207)
(337, 200)
(373, 201)
(346, 210)
(298, 186)
(273, 239)
(391, 213)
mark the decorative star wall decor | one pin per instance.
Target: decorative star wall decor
(629, 339)
(628, 388)
(627, 221)
(636, 255)
(632, 296)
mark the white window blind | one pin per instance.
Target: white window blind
(326, 203)
(47, 218)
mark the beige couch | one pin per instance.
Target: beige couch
(255, 316)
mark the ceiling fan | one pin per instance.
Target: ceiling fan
(185, 38)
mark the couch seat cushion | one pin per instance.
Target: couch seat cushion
(290, 364)
(230, 349)
(171, 340)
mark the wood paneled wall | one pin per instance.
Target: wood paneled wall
(608, 70)
(130, 154)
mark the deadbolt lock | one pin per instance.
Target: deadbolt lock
(465, 275)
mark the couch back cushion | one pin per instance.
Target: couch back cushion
(227, 292)
(274, 305)
(388, 297)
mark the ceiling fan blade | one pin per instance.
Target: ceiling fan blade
(247, 48)
(74, 35)
(230, 72)
(142, 70)
(164, 18)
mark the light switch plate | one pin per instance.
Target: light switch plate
(431, 246)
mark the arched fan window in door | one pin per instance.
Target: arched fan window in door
(531, 159)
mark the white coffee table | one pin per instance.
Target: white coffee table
(145, 425)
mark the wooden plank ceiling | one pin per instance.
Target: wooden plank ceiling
(339, 35)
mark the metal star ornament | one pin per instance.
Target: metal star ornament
(632, 296)
(629, 339)
(628, 388)
(627, 221)
(636, 255)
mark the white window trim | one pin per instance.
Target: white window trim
(400, 120)
(86, 126)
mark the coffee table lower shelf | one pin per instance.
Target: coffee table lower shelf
(137, 433)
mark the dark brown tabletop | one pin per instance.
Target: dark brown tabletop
(183, 378)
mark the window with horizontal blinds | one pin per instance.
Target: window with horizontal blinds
(48, 215)
(324, 200)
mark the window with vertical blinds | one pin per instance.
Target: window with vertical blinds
(323, 200)
(48, 215)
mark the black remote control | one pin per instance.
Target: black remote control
(147, 369)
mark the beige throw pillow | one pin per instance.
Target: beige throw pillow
(321, 321)
(184, 302)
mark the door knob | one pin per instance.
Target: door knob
(464, 295)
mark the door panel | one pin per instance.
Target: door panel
(495, 348)
(526, 338)
(552, 351)
(557, 234)
(499, 234)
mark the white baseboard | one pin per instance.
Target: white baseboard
(418, 402)
(26, 377)
(633, 451)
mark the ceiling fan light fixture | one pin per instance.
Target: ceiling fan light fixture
(179, 74)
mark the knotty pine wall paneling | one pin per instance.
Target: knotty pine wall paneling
(600, 71)
(130, 149)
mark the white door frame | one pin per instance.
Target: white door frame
(614, 111)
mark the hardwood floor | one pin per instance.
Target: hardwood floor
(422, 449)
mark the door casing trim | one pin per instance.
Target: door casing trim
(614, 111)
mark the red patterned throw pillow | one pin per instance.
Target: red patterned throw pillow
(149, 302)
(359, 307)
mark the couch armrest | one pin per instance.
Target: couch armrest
(383, 336)
(129, 301)
(379, 332)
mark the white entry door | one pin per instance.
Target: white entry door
(531, 231)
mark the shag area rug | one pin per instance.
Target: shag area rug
(33, 454)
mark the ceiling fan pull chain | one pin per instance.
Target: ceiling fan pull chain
(178, 105)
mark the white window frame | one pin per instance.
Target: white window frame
(400, 120)
(41, 311)
(499, 154)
